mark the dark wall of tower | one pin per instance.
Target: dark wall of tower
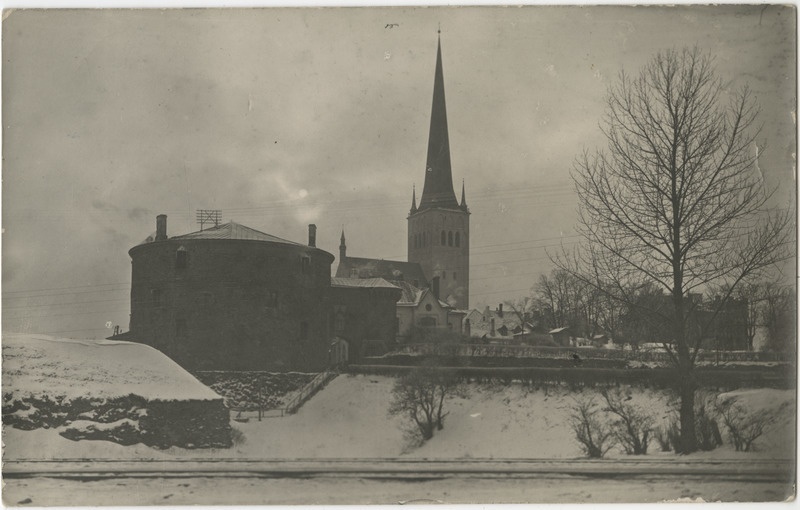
(233, 304)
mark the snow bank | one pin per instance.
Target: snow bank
(105, 391)
(59, 367)
(349, 419)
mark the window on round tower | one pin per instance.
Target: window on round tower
(450, 238)
(181, 258)
(458, 239)
(444, 237)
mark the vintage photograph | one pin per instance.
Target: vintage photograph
(409, 255)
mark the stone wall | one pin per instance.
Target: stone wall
(124, 420)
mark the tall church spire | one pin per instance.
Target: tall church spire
(438, 189)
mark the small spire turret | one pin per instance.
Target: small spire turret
(342, 247)
(413, 199)
(463, 196)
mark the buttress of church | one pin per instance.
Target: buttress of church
(438, 230)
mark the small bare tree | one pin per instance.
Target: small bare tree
(420, 396)
(676, 201)
(632, 426)
(591, 430)
(743, 427)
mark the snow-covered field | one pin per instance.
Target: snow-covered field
(340, 491)
(36, 365)
(348, 419)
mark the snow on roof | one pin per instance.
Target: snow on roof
(233, 230)
(369, 283)
(558, 330)
(40, 364)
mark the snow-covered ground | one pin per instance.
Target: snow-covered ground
(40, 491)
(348, 419)
(35, 365)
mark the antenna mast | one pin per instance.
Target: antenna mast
(209, 216)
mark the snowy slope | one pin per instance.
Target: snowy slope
(44, 365)
(348, 419)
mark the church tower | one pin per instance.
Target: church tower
(438, 230)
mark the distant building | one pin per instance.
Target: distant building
(363, 314)
(561, 336)
(233, 298)
(497, 325)
(420, 308)
(438, 230)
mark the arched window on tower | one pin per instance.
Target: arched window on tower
(444, 237)
(458, 239)
(450, 238)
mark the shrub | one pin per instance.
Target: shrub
(420, 395)
(632, 425)
(237, 437)
(663, 436)
(743, 427)
(591, 431)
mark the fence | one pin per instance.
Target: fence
(309, 390)
(530, 351)
(728, 378)
(260, 394)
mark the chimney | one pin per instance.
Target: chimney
(467, 327)
(312, 235)
(500, 310)
(435, 284)
(161, 227)
(492, 330)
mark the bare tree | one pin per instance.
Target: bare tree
(632, 425)
(743, 427)
(676, 201)
(420, 396)
(568, 301)
(594, 434)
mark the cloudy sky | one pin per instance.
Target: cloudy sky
(284, 117)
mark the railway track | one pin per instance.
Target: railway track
(399, 469)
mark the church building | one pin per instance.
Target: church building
(438, 229)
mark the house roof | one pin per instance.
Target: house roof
(391, 270)
(366, 283)
(480, 322)
(411, 295)
(232, 230)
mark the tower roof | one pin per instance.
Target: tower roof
(438, 189)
